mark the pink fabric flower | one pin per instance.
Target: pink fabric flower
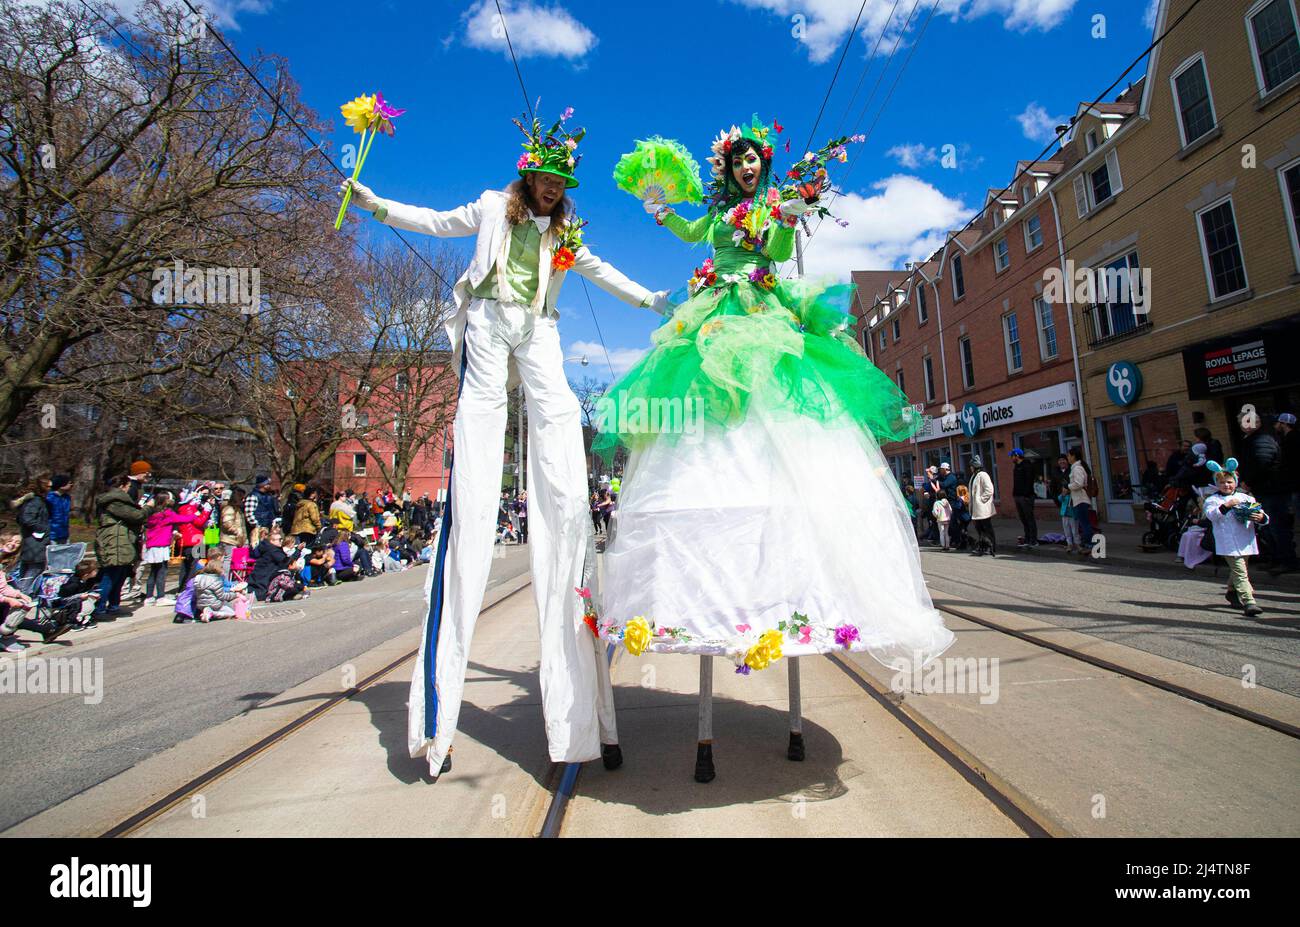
(845, 635)
(584, 592)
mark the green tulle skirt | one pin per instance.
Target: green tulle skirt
(789, 347)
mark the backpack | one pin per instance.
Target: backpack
(1092, 489)
(185, 601)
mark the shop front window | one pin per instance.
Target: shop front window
(1120, 474)
(935, 456)
(901, 464)
(1042, 448)
(1155, 436)
(985, 449)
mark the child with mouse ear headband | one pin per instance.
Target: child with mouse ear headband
(1234, 516)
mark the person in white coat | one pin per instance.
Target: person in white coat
(504, 326)
(1080, 498)
(1235, 516)
(982, 509)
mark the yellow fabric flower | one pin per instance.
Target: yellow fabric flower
(636, 636)
(766, 652)
(359, 112)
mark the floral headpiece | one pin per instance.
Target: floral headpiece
(758, 132)
(552, 151)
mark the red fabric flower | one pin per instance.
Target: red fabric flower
(563, 260)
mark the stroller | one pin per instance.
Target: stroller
(54, 615)
(1169, 517)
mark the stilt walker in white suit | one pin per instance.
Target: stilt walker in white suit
(505, 326)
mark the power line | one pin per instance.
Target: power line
(1065, 129)
(866, 68)
(1066, 244)
(848, 42)
(316, 146)
(519, 74)
(524, 89)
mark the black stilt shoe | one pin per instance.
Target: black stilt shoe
(704, 763)
(611, 756)
(795, 750)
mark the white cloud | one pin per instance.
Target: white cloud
(906, 219)
(622, 359)
(913, 156)
(1149, 15)
(822, 25)
(1038, 125)
(1022, 15)
(535, 30)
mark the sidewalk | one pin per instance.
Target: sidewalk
(1124, 552)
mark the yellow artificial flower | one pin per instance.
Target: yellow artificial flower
(766, 652)
(359, 112)
(636, 636)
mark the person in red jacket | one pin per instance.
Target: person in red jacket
(196, 504)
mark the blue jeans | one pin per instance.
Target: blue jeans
(111, 579)
(1083, 518)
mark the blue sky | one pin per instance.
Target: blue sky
(988, 77)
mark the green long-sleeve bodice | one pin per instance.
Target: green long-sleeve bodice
(728, 257)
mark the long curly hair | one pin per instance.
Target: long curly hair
(518, 207)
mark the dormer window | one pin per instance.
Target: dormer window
(1001, 254)
(1091, 140)
(958, 281)
(1191, 88)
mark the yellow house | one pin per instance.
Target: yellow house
(1179, 211)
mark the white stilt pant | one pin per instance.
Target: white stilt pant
(577, 701)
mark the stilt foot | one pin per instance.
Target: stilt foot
(704, 763)
(611, 756)
(795, 750)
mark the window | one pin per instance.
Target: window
(902, 388)
(1001, 254)
(922, 312)
(400, 382)
(897, 329)
(958, 281)
(1289, 178)
(359, 464)
(1033, 233)
(1026, 193)
(1221, 248)
(1273, 38)
(927, 367)
(1192, 98)
(1046, 328)
(901, 465)
(987, 457)
(967, 363)
(1113, 312)
(1095, 188)
(1011, 334)
(363, 420)
(882, 339)
(1091, 139)
(1042, 448)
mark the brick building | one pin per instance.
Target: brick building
(968, 337)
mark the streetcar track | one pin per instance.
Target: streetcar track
(563, 778)
(226, 767)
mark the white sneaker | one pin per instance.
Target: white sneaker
(151, 600)
(165, 600)
(12, 645)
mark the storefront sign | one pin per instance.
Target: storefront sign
(1257, 358)
(972, 418)
(1123, 383)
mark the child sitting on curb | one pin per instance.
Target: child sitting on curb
(1234, 516)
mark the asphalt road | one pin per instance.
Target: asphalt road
(1180, 616)
(164, 683)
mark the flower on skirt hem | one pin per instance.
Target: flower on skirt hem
(636, 636)
(845, 635)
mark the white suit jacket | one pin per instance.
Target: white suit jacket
(486, 218)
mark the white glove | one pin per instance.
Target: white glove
(795, 207)
(362, 196)
(659, 302)
(652, 207)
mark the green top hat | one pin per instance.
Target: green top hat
(551, 152)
